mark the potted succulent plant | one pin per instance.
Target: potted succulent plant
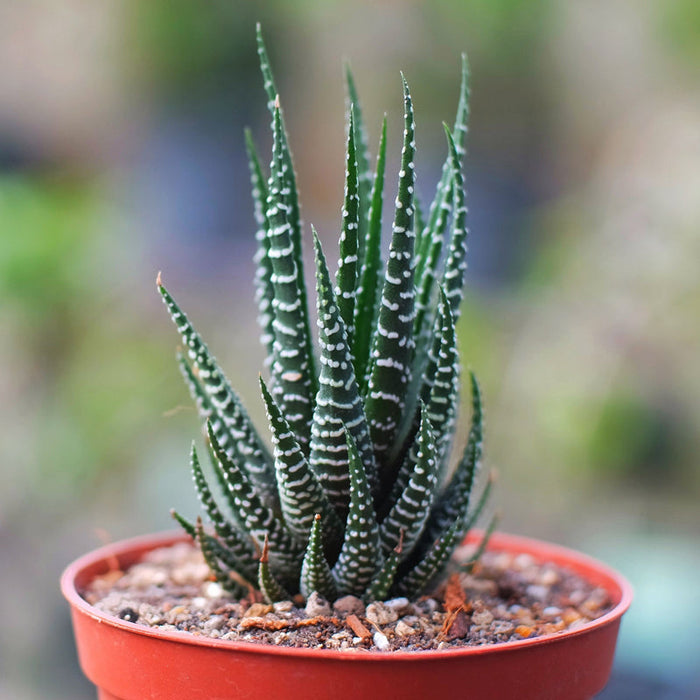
(355, 503)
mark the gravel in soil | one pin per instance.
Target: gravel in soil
(505, 597)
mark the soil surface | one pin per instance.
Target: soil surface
(505, 597)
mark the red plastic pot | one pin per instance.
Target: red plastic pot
(130, 662)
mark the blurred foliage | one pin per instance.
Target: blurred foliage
(680, 29)
(635, 438)
(506, 32)
(48, 237)
(187, 49)
(88, 376)
(191, 45)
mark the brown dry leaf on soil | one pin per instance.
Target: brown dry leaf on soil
(354, 623)
(455, 597)
(456, 622)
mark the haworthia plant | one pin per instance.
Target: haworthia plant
(355, 496)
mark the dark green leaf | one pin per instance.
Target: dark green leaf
(393, 344)
(359, 557)
(315, 572)
(338, 402)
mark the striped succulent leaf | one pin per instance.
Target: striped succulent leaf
(364, 171)
(236, 542)
(393, 344)
(316, 574)
(437, 385)
(221, 405)
(338, 402)
(370, 272)
(293, 365)
(259, 519)
(440, 391)
(264, 291)
(383, 581)
(301, 494)
(258, 469)
(346, 278)
(270, 587)
(354, 498)
(430, 239)
(431, 564)
(411, 509)
(357, 563)
(455, 265)
(197, 391)
(287, 166)
(242, 568)
(208, 546)
(455, 497)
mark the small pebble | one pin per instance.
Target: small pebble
(212, 589)
(523, 561)
(191, 574)
(577, 597)
(380, 614)
(257, 610)
(548, 577)
(343, 634)
(317, 606)
(349, 605)
(381, 641)
(502, 627)
(570, 616)
(502, 561)
(400, 605)
(476, 585)
(403, 630)
(538, 593)
(177, 614)
(215, 622)
(428, 605)
(128, 614)
(482, 618)
(283, 606)
(143, 576)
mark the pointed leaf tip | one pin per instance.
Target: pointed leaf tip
(159, 280)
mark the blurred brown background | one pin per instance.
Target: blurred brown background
(121, 154)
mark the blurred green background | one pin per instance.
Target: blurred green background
(121, 154)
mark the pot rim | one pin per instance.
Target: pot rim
(598, 573)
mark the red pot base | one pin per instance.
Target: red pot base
(130, 662)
